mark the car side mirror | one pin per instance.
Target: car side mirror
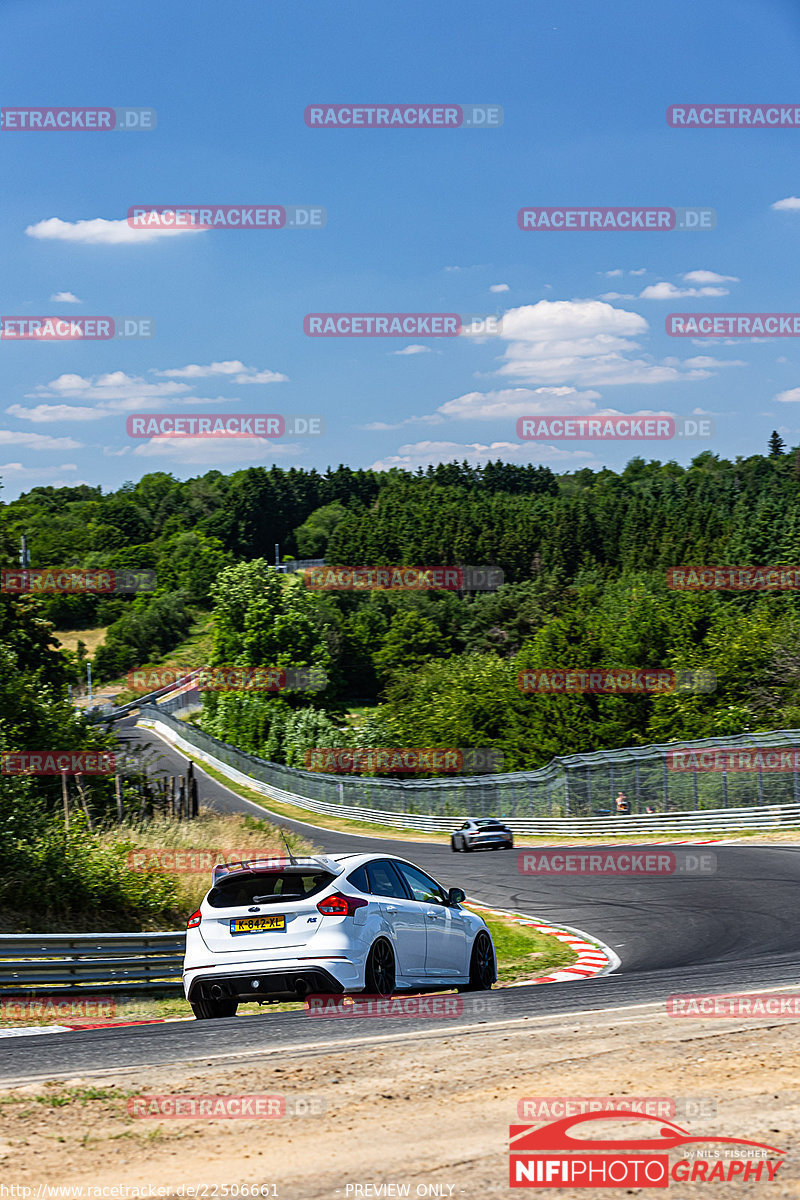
(456, 896)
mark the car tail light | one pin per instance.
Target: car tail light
(337, 905)
(194, 920)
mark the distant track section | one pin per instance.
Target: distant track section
(684, 824)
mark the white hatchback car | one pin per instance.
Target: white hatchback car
(346, 923)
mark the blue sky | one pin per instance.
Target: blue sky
(417, 221)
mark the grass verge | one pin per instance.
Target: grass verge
(96, 885)
(193, 652)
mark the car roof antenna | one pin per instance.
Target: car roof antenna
(292, 859)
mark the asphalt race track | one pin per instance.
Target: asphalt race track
(735, 930)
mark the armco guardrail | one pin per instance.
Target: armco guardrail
(48, 963)
(160, 695)
(300, 564)
(525, 799)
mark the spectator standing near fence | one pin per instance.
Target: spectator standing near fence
(622, 806)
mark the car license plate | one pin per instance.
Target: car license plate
(257, 924)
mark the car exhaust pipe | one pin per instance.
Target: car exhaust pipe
(302, 988)
(216, 992)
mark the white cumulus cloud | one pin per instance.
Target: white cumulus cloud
(788, 204)
(232, 368)
(509, 403)
(581, 342)
(709, 277)
(499, 287)
(421, 454)
(100, 232)
(237, 452)
(104, 396)
(114, 385)
(20, 470)
(668, 291)
(65, 298)
(37, 441)
(413, 349)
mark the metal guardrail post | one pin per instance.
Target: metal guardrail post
(666, 784)
(638, 788)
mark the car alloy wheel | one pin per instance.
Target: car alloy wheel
(481, 965)
(379, 976)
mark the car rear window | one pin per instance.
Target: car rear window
(269, 887)
(358, 878)
(489, 824)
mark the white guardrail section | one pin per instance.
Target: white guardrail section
(688, 823)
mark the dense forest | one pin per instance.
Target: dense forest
(584, 556)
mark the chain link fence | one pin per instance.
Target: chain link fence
(673, 777)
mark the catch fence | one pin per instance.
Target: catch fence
(572, 786)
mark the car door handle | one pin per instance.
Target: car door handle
(391, 908)
(432, 916)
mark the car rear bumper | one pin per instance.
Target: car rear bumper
(291, 980)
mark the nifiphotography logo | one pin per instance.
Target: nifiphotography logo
(552, 1155)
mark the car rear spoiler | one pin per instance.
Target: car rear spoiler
(277, 862)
